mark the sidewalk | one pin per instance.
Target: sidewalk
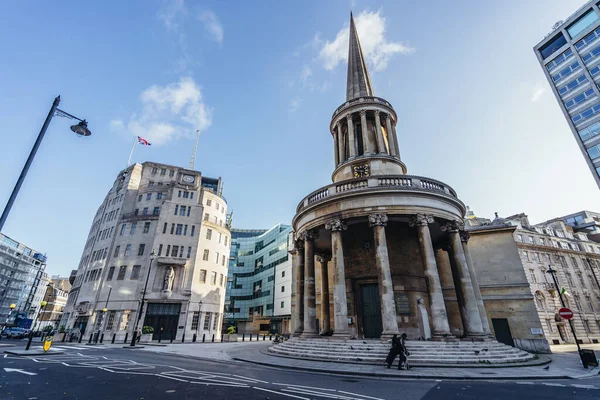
(564, 365)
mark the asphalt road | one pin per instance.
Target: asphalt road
(93, 372)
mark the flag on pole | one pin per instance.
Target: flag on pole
(563, 291)
(143, 141)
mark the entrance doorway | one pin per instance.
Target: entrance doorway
(370, 310)
(163, 316)
(502, 331)
(81, 324)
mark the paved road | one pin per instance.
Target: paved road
(93, 372)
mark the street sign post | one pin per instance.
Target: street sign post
(565, 313)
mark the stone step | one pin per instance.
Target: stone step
(411, 349)
(383, 355)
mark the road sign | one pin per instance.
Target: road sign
(565, 313)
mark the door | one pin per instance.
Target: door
(81, 324)
(163, 316)
(371, 311)
(502, 331)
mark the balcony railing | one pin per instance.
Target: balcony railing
(139, 216)
(361, 100)
(402, 182)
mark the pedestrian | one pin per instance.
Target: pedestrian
(403, 351)
(394, 351)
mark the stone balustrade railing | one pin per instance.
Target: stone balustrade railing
(402, 182)
(361, 100)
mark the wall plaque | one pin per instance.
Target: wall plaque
(402, 304)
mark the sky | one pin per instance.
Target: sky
(260, 81)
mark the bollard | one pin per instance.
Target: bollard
(114, 337)
(172, 336)
(64, 337)
(160, 335)
(183, 338)
(126, 335)
(194, 338)
(203, 337)
(101, 338)
(270, 337)
(213, 338)
(91, 337)
(243, 337)
(80, 337)
(264, 337)
(221, 338)
(250, 337)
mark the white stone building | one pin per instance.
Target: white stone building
(182, 217)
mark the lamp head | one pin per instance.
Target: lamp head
(13, 306)
(104, 309)
(81, 129)
(43, 303)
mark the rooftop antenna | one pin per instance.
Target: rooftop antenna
(193, 159)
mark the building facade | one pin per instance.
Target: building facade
(21, 280)
(576, 260)
(259, 282)
(585, 222)
(164, 227)
(55, 296)
(570, 58)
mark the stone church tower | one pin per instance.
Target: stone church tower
(381, 240)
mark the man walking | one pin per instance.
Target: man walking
(394, 351)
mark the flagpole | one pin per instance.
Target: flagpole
(131, 153)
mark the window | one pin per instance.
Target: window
(208, 234)
(220, 237)
(182, 211)
(111, 272)
(156, 211)
(530, 239)
(186, 195)
(586, 114)
(146, 227)
(225, 240)
(543, 241)
(594, 151)
(193, 229)
(195, 318)
(172, 228)
(151, 183)
(203, 275)
(213, 278)
(580, 98)
(123, 227)
(181, 251)
(116, 253)
(111, 320)
(282, 289)
(163, 171)
(586, 325)
(154, 170)
(174, 251)
(220, 279)
(191, 195)
(135, 272)
(171, 173)
(159, 196)
(549, 325)
(217, 206)
(189, 253)
(179, 194)
(168, 250)
(133, 228)
(205, 255)
(185, 230)
(206, 216)
(283, 274)
(223, 260)
(189, 210)
(179, 229)
(160, 249)
(582, 23)
(569, 279)
(137, 211)
(526, 254)
(207, 317)
(208, 202)
(140, 197)
(127, 250)
(578, 304)
(122, 270)
(520, 238)
(176, 209)
(217, 258)
(141, 249)
(565, 72)
(165, 228)
(553, 45)
(148, 196)
(216, 321)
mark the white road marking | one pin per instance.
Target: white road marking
(170, 377)
(19, 371)
(250, 379)
(220, 384)
(318, 394)
(584, 386)
(283, 394)
(524, 383)
(301, 386)
(360, 395)
(169, 391)
(554, 384)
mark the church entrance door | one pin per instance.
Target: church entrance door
(370, 310)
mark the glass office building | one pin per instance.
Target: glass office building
(258, 262)
(570, 58)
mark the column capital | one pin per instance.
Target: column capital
(377, 113)
(378, 220)
(309, 235)
(362, 112)
(298, 244)
(349, 117)
(464, 235)
(336, 225)
(420, 220)
(323, 258)
(452, 226)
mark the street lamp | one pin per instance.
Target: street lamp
(80, 129)
(137, 322)
(42, 305)
(101, 326)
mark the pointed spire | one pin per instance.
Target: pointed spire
(359, 82)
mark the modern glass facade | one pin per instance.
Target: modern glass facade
(252, 276)
(570, 57)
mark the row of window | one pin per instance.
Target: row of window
(586, 326)
(591, 55)
(559, 60)
(206, 255)
(135, 273)
(133, 228)
(585, 114)
(216, 220)
(574, 84)
(93, 275)
(179, 229)
(206, 323)
(185, 194)
(116, 199)
(217, 205)
(550, 242)
(566, 72)
(588, 39)
(213, 277)
(127, 252)
(209, 236)
(182, 211)
(590, 131)
(159, 196)
(146, 211)
(580, 98)
(163, 171)
(174, 251)
(111, 215)
(106, 233)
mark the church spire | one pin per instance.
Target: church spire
(359, 82)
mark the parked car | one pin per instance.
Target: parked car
(15, 333)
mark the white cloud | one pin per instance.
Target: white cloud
(168, 112)
(212, 25)
(306, 72)
(538, 92)
(376, 48)
(295, 103)
(170, 13)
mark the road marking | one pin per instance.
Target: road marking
(250, 379)
(318, 394)
(283, 394)
(170, 377)
(19, 371)
(360, 395)
(554, 384)
(221, 384)
(300, 386)
(584, 386)
(169, 391)
(524, 383)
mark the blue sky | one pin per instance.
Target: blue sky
(261, 80)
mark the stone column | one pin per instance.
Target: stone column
(336, 141)
(351, 140)
(367, 145)
(298, 284)
(325, 317)
(464, 238)
(384, 275)
(463, 287)
(390, 134)
(340, 142)
(310, 307)
(340, 304)
(395, 138)
(439, 316)
(379, 133)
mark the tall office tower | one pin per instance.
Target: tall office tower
(570, 58)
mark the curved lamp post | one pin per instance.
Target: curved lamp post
(80, 129)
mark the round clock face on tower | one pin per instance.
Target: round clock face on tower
(361, 170)
(188, 179)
